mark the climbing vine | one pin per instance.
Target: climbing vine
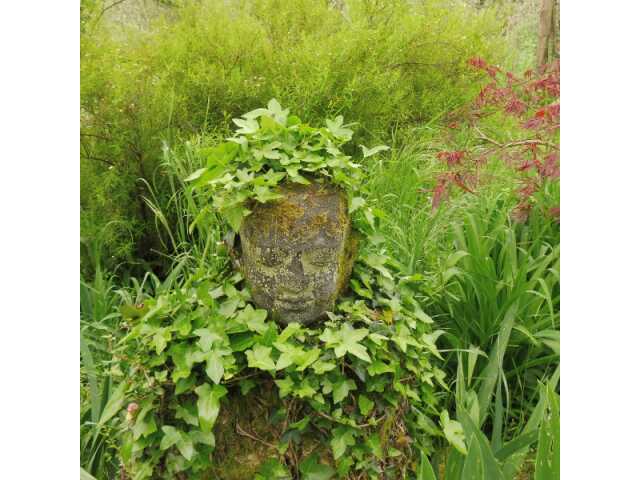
(366, 380)
(271, 147)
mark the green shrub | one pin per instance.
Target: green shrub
(383, 67)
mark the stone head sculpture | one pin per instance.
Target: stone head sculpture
(298, 252)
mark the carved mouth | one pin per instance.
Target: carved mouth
(294, 305)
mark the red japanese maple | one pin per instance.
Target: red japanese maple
(534, 100)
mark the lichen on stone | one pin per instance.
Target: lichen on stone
(298, 252)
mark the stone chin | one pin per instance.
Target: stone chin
(303, 314)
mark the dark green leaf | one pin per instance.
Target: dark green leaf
(311, 469)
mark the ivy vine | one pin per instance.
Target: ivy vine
(367, 379)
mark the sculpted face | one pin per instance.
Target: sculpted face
(297, 252)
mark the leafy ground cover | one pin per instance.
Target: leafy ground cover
(443, 362)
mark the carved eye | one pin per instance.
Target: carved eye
(271, 258)
(320, 257)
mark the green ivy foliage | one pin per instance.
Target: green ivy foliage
(271, 147)
(367, 379)
(373, 364)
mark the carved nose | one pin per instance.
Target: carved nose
(296, 265)
(296, 281)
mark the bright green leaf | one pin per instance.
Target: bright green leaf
(260, 357)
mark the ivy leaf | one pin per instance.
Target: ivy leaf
(185, 384)
(254, 319)
(301, 425)
(305, 389)
(365, 404)
(171, 437)
(279, 114)
(215, 368)
(453, 432)
(220, 155)
(242, 341)
(321, 367)
(292, 329)
(209, 404)
(253, 114)
(285, 359)
(234, 216)
(272, 469)
(247, 126)
(183, 359)
(377, 262)
(145, 422)
(198, 436)
(185, 446)
(337, 129)
(342, 437)
(301, 180)
(260, 357)
(304, 358)
(312, 470)
(403, 337)
(285, 386)
(377, 338)
(207, 337)
(228, 308)
(346, 340)
(355, 203)
(270, 178)
(188, 413)
(367, 152)
(181, 440)
(430, 339)
(420, 315)
(341, 390)
(378, 367)
(244, 176)
(264, 194)
(374, 443)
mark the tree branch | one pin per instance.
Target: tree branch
(102, 12)
(532, 141)
(240, 431)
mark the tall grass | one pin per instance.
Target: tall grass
(491, 285)
(383, 65)
(98, 300)
(398, 184)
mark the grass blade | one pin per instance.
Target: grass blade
(425, 472)
(492, 370)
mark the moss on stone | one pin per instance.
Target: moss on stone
(284, 252)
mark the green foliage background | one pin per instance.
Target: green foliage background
(384, 65)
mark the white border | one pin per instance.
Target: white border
(39, 352)
(39, 349)
(600, 203)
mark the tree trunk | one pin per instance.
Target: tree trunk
(544, 32)
(555, 34)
